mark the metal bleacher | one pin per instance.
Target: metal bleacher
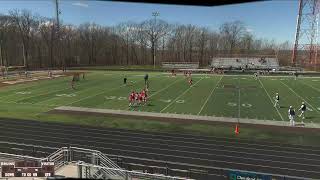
(180, 65)
(246, 62)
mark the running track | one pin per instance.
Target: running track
(162, 149)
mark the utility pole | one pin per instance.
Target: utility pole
(24, 56)
(306, 37)
(154, 14)
(57, 31)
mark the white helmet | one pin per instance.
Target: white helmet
(290, 107)
(302, 102)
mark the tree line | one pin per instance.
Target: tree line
(39, 42)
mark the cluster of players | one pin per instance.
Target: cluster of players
(292, 111)
(138, 98)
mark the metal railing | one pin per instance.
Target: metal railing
(129, 175)
(65, 155)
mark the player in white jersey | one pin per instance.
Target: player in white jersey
(303, 109)
(277, 99)
(291, 114)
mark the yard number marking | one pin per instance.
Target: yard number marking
(110, 97)
(24, 92)
(246, 105)
(166, 101)
(232, 104)
(65, 95)
(122, 98)
(180, 101)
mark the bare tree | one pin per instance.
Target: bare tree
(153, 31)
(24, 20)
(231, 33)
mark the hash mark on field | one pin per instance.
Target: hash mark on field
(205, 103)
(299, 96)
(180, 96)
(271, 100)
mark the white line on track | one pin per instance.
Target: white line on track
(271, 100)
(205, 103)
(180, 95)
(169, 155)
(165, 138)
(157, 160)
(300, 96)
(136, 145)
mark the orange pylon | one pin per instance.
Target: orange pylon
(237, 130)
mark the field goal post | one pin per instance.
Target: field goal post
(180, 65)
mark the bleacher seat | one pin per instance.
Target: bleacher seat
(241, 62)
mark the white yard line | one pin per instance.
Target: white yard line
(205, 103)
(311, 86)
(271, 100)
(165, 87)
(180, 95)
(299, 96)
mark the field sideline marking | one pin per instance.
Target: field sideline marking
(299, 96)
(205, 103)
(271, 99)
(180, 96)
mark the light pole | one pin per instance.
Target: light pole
(154, 14)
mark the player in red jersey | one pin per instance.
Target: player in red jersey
(131, 98)
(136, 97)
(144, 96)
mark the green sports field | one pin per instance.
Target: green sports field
(211, 95)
